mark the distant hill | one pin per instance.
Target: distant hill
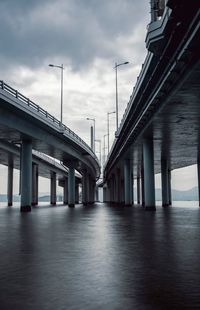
(191, 194)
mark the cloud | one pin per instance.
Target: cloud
(78, 31)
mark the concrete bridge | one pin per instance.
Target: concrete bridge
(42, 165)
(160, 127)
(22, 121)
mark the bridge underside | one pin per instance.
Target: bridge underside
(174, 128)
(13, 158)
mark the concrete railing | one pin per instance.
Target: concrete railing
(47, 115)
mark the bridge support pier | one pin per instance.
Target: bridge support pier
(85, 188)
(198, 174)
(71, 187)
(118, 186)
(77, 193)
(104, 193)
(169, 187)
(53, 188)
(26, 174)
(96, 193)
(128, 188)
(165, 182)
(10, 185)
(138, 190)
(91, 190)
(149, 181)
(34, 184)
(65, 192)
(142, 182)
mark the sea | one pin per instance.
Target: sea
(101, 256)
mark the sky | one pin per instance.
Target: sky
(87, 37)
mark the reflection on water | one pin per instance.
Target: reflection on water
(100, 257)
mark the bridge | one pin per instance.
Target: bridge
(26, 123)
(42, 165)
(159, 131)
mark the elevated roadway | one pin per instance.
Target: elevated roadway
(160, 127)
(21, 120)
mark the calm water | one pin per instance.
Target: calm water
(100, 257)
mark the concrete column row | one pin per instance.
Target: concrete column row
(121, 188)
(29, 183)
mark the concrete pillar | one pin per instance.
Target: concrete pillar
(91, 189)
(71, 187)
(127, 182)
(142, 184)
(164, 179)
(118, 186)
(96, 193)
(104, 194)
(65, 191)
(85, 189)
(149, 181)
(132, 188)
(26, 175)
(53, 188)
(77, 193)
(112, 189)
(169, 187)
(10, 184)
(138, 189)
(34, 184)
(108, 191)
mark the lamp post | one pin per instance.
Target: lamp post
(99, 141)
(115, 67)
(108, 114)
(92, 119)
(61, 109)
(104, 149)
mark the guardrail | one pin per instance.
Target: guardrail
(45, 114)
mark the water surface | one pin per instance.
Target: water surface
(100, 257)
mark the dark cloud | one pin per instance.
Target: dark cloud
(77, 30)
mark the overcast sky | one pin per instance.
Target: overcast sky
(88, 37)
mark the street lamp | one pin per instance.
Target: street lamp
(108, 113)
(92, 119)
(104, 149)
(61, 110)
(99, 141)
(115, 67)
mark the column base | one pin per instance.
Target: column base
(164, 205)
(150, 208)
(53, 203)
(25, 208)
(71, 205)
(34, 204)
(9, 204)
